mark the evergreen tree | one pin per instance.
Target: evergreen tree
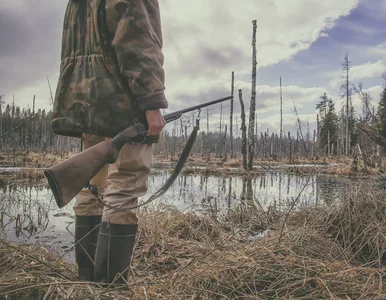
(322, 106)
(328, 132)
(381, 113)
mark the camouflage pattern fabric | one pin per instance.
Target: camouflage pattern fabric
(111, 67)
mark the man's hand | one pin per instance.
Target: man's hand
(155, 122)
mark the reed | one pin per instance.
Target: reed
(327, 252)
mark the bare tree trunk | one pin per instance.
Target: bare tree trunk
(347, 109)
(13, 121)
(290, 147)
(207, 133)
(243, 131)
(174, 139)
(221, 118)
(346, 92)
(224, 144)
(231, 116)
(33, 133)
(342, 141)
(255, 138)
(314, 144)
(1, 122)
(262, 137)
(317, 135)
(237, 135)
(49, 86)
(300, 129)
(252, 109)
(219, 149)
(281, 120)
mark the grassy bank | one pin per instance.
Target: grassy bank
(335, 252)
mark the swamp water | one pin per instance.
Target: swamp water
(28, 213)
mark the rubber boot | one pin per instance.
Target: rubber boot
(114, 250)
(86, 235)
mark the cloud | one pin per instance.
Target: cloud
(303, 97)
(368, 70)
(307, 121)
(204, 41)
(378, 51)
(30, 47)
(284, 28)
(358, 72)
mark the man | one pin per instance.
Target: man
(111, 76)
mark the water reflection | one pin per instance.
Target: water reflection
(29, 213)
(197, 192)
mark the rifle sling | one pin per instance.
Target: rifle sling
(180, 164)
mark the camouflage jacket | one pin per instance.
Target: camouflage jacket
(111, 67)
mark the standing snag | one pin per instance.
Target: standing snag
(243, 131)
(231, 116)
(251, 135)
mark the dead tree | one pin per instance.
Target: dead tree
(33, 131)
(1, 120)
(225, 148)
(346, 93)
(221, 118)
(49, 87)
(207, 134)
(231, 116)
(281, 120)
(317, 134)
(251, 135)
(243, 131)
(313, 143)
(372, 133)
(300, 128)
(219, 149)
(290, 147)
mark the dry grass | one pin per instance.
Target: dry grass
(214, 166)
(340, 170)
(335, 252)
(29, 174)
(233, 163)
(31, 159)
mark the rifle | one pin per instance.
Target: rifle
(68, 178)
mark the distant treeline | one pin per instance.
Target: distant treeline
(32, 131)
(25, 129)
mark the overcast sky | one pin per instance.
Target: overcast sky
(303, 41)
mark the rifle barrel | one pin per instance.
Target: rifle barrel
(177, 114)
